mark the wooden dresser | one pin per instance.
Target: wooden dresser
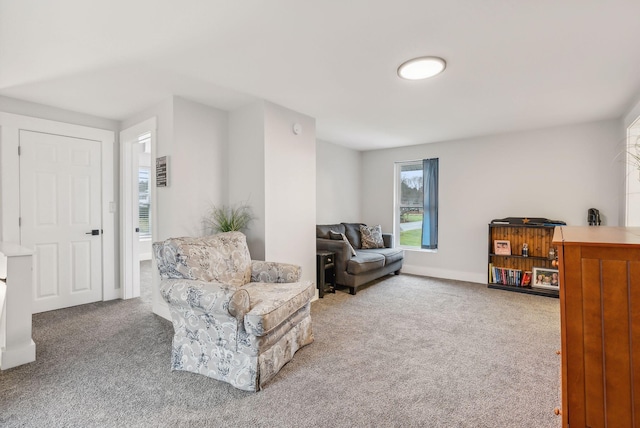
(600, 322)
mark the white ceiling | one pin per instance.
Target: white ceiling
(511, 65)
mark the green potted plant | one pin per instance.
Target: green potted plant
(228, 218)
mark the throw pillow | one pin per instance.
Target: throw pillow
(336, 236)
(371, 236)
(344, 238)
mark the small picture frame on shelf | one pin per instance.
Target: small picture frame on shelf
(501, 248)
(545, 278)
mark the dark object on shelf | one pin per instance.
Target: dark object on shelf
(326, 272)
(528, 221)
(593, 217)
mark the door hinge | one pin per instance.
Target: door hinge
(19, 221)
(19, 151)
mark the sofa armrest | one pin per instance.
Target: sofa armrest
(274, 272)
(341, 248)
(388, 240)
(204, 297)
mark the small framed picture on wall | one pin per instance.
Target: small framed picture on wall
(502, 248)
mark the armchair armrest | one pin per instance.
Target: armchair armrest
(274, 272)
(205, 297)
(388, 240)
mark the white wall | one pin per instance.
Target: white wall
(194, 137)
(246, 170)
(198, 167)
(338, 188)
(275, 171)
(632, 115)
(26, 108)
(290, 189)
(556, 173)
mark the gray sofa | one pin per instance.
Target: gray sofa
(368, 264)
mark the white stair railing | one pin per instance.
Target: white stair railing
(3, 293)
(16, 278)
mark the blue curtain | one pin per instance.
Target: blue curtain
(430, 219)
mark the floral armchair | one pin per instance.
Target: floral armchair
(235, 319)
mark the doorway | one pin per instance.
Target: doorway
(60, 218)
(137, 196)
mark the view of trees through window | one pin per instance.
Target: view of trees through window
(411, 204)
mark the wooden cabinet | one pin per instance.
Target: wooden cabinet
(538, 238)
(600, 322)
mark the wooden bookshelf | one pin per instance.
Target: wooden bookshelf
(538, 236)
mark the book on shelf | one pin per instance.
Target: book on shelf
(507, 276)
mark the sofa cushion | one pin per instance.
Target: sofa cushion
(371, 236)
(390, 254)
(352, 230)
(273, 303)
(365, 261)
(322, 230)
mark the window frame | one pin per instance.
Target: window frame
(398, 204)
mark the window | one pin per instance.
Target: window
(633, 175)
(417, 204)
(144, 180)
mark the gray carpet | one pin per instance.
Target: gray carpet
(406, 351)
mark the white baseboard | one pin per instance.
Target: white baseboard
(445, 273)
(17, 355)
(161, 309)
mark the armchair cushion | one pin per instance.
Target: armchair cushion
(273, 303)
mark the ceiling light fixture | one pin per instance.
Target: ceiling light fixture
(421, 68)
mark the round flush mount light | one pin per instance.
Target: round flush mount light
(421, 68)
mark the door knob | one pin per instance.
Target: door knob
(93, 232)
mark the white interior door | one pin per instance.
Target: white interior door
(60, 218)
